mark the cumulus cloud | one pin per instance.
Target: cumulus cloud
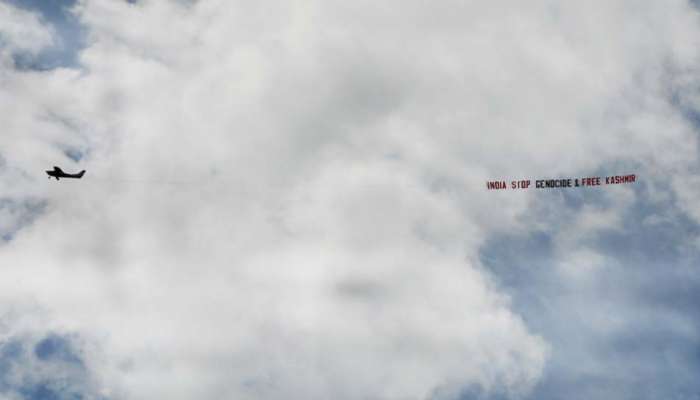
(287, 200)
(21, 32)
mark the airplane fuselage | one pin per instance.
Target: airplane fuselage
(58, 173)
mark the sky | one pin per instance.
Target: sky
(288, 200)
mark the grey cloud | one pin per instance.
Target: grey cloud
(361, 289)
(18, 213)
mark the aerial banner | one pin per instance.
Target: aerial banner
(561, 182)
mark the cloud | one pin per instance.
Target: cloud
(287, 200)
(21, 32)
(40, 364)
(16, 214)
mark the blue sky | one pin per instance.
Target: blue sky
(44, 368)
(650, 282)
(346, 247)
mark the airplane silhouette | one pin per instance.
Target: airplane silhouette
(58, 173)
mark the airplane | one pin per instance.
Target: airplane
(58, 173)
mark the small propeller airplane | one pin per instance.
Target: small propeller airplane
(58, 173)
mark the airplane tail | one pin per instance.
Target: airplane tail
(80, 175)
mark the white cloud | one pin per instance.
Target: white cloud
(21, 31)
(287, 200)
